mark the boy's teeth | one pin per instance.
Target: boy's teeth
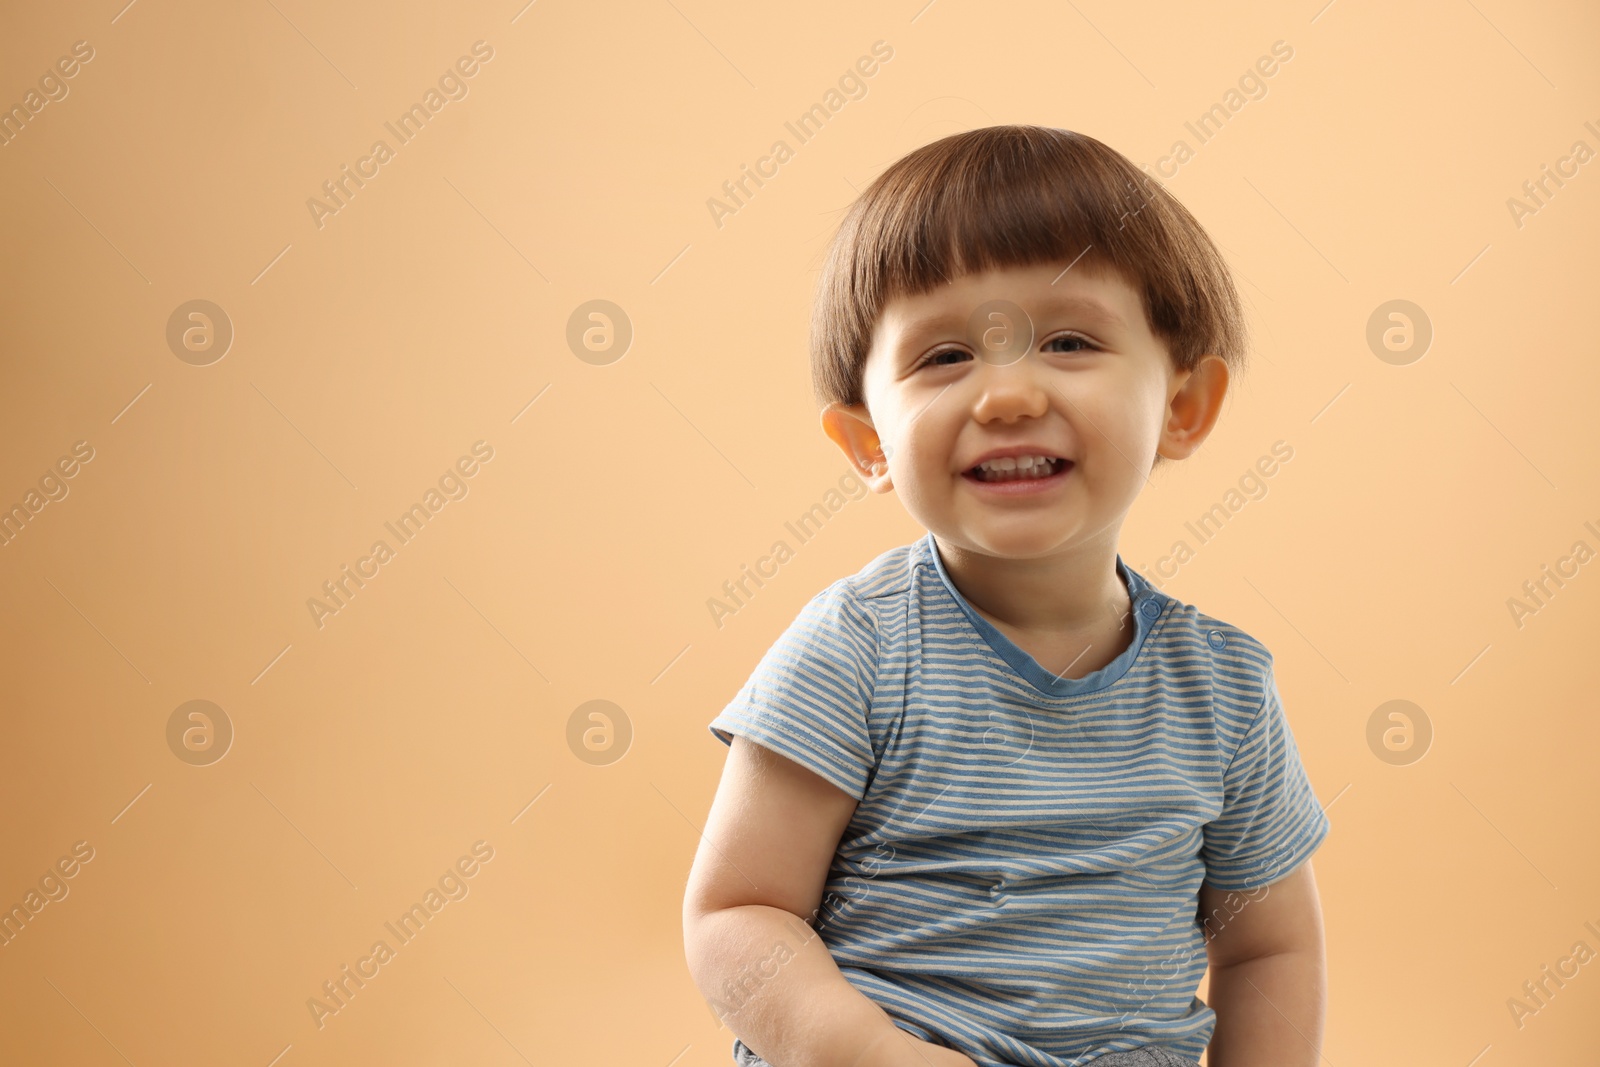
(1010, 467)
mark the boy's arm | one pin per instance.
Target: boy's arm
(1268, 982)
(760, 869)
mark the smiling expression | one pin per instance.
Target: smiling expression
(1095, 391)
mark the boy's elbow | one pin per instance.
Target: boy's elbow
(695, 909)
(700, 898)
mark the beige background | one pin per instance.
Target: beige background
(434, 708)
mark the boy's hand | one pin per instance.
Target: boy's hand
(901, 1049)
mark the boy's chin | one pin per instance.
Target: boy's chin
(1014, 537)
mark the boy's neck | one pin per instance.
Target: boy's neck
(1075, 592)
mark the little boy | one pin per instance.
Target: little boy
(995, 799)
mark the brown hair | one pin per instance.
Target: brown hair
(1004, 196)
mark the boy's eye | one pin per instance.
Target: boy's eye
(932, 356)
(1071, 339)
(1066, 338)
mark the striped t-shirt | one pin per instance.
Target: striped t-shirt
(1019, 879)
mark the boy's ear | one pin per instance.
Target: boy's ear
(850, 427)
(1192, 407)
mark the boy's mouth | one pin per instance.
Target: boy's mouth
(1018, 469)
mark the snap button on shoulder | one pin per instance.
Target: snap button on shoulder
(1150, 609)
(1216, 640)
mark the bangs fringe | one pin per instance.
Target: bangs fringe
(1018, 196)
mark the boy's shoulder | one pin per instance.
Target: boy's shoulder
(855, 604)
(886, 575)
(1218, 634)
(1238, 658)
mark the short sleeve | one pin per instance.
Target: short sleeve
(1271, 820)
(809, 697)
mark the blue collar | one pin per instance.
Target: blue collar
(1147, 602)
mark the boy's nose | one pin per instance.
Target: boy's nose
(1011, 392)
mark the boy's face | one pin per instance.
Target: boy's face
(951, 377)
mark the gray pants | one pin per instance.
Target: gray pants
(1148, 1056)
